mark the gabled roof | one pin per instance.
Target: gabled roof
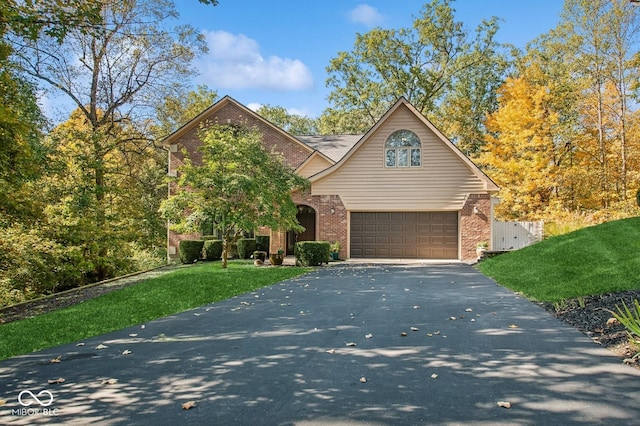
(489, 185)
(333, 146)
(195, 122)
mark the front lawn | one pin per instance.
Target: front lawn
(591, 261)
(181, 290)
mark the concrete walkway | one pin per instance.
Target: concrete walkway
(349, 344)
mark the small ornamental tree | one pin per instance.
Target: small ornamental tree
(238, 184)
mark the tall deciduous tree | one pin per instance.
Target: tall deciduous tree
(606, 35)
(434, 61)
(113, 71)
(295, 124)
(180, 107)
(238, 184)
(522, 154)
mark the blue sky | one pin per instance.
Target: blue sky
(276, 52)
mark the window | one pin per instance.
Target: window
(403, 149)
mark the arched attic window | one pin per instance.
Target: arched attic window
(403, 149)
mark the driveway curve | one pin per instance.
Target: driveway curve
(350, 344)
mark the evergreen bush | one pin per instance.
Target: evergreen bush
(212, 249)
(190, 250)
(312, 253)
(246, 247)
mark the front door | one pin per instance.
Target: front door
(307, 218)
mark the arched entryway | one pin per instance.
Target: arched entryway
(307, 218)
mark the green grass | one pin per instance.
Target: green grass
(595, 260)
(178, 291)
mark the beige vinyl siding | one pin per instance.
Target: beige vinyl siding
(442, 183)
(313, 165)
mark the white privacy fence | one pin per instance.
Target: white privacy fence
(516, 235)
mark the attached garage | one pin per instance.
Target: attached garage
(411, 235)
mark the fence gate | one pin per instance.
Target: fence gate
(516, 235)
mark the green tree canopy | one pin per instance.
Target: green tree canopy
(238, 184)
(435, 61)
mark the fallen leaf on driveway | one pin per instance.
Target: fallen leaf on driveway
(368, 336)
(416, 307)
(55, 381)
(80, 344)
(436, 332)
(101, 346)
(55, 360)
(331, 351)
(363, 379)
(351, 344)
(109, 381)
(126, 352)
(3, 401)
(453, 318)
(188, 405)
(415, 329)
(434, 376)
(133, 335)
(468, 310)
(513, 326)
(504, 404)
(403, 334)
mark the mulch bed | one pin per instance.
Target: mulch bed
(592, 316)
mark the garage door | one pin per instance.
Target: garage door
(412, 235)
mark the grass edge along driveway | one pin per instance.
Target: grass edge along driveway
(178, 291)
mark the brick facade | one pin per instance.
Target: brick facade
(475, 225)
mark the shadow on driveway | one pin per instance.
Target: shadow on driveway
(369, 344)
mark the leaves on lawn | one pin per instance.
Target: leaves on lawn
(56, 360)
(504, 404)
(188, 405)
(55, 381)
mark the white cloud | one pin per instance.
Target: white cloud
(367, 15)
(234, 62)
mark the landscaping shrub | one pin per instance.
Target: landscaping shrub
(262, 243)
(212, 249)
(246, 247)
(311, 253)
(209, 237)
(190, 250)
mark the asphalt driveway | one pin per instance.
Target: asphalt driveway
(368, 344)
